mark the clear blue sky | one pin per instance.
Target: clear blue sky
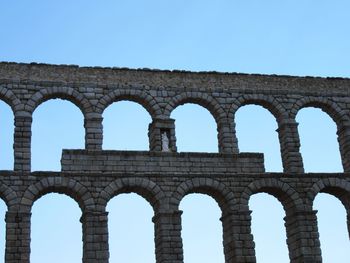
(300, 37)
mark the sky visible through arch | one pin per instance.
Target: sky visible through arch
(269, 37)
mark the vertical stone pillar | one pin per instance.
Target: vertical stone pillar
(95, 237)
(168, 241)
(344, 145)
(161, 132)
(17, 237)
(303, 237)
(290, 145)
(238, 240)
(22, 141)
(227, 136)
(93, 131)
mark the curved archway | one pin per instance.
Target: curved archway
(318, 139)
(202, 231)
(331, 108)
(332, 227)
(56, 232)
(144, 188)
(53, 123)
(204, 100)
(196, 129)
(61, 185)
(256, 132)
(268, 103)
(215, 189)
(135, 95)
(288, 197)
(130, 228)
(126, 126)
(10, 98)
(64, 93)
(8, 195)
(335, 186)
(268, 228)
(6, 136)
(141, 186)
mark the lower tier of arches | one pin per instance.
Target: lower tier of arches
(164, 192)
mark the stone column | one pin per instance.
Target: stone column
(161, 133)
(95, 237)
(93, 131)
(168, 241)
(303, 237)
(17, 237)
(290, 145)
(227, 136)
(238, 240)
(22, 141)
(344, 145)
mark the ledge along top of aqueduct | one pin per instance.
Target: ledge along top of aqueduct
(92, 176)
(179, 79)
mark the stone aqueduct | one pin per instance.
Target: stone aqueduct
(92, 176)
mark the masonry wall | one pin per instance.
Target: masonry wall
(92, 176)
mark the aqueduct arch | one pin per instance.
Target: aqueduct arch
(93, 176)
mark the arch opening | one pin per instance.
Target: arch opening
(126, 126)
(268, 228)
(56, 233)
(202, 231)
(256, 132)
(196, 129)
(6, 136)
(136, 96)
(330, 109)
(52, 130)
(332, 227)
(130, 229)
(318, 139)
(63, 93)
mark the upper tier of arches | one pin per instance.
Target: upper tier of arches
(160, 106)
(161, 102)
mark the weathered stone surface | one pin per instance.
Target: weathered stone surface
(92, 176)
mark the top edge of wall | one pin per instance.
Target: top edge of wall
(74, 67)
(144, 77)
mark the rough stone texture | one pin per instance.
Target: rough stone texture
(92, 176)
(159, 162)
